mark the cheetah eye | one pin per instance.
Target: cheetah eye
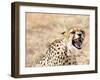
(83, 32)
(73, 32)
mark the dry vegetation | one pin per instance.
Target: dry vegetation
(42, 29)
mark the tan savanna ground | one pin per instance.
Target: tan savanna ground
(42, 29)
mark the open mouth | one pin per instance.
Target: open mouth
(77, 42)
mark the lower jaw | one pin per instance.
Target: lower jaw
(77, 47)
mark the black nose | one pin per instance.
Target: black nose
(79, 34)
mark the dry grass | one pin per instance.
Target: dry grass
(42, 29)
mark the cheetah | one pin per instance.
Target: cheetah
(62, 51)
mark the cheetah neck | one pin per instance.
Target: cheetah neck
(71, 49)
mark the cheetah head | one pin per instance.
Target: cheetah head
(76, 37)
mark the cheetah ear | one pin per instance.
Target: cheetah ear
(63, 33)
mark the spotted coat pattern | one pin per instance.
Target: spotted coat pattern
(56, 55)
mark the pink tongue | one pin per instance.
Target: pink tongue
(78, 42)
